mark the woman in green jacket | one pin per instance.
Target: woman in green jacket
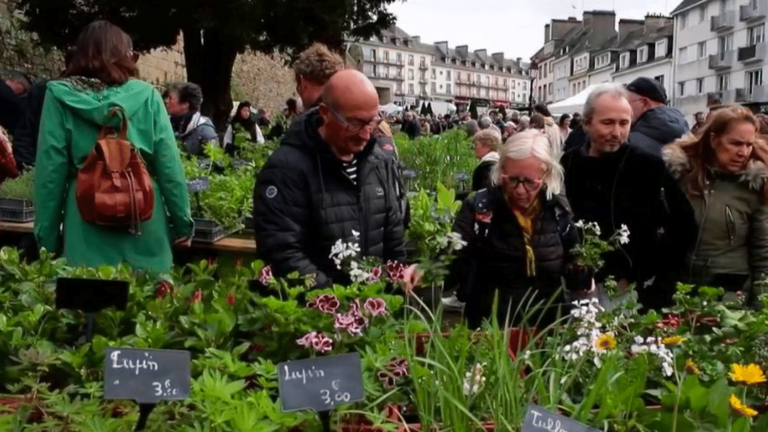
(723, 171)
(99, 78)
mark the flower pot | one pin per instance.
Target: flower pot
(519, 339)
(208, 231)
(16, 210)
(578, 278)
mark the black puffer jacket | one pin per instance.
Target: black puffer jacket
(657, 128)
(494, 258)
(303, 203)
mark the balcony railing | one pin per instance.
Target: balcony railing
(749, 13)
(724, 21)
(423, 66)
(721, 61)
(381, 60)
(758, 94)
(752, 53)
(714, 98)
(734, 95)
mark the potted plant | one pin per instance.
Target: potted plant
(17, 198)
(588, 255)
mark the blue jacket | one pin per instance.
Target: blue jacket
(657, 128)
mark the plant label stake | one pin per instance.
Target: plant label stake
(320, 384)
(195, 186)
(147, 376)
(91, 296)
(538, 419)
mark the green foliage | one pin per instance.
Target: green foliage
(437, 160)
(22, 187)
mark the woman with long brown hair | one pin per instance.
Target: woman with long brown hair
(723, 170)
(98, 84)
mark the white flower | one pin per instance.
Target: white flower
(474, 380)
(639, 340)
(623, 234)
(579, 224)
(355, 234)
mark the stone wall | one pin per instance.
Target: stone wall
(264, 80)
(163, 65)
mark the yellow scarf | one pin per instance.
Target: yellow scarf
(526, 218)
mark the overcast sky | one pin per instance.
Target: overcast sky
(514, 27)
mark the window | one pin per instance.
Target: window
(375, 71)
(754, 79)
(700, 85)
(496, 81)
(434, 88)
(386, 56)
(434, 73)
(683, 20)
(448, 89)
(756, 34)
(682, 55)
(551, 65)
(661, 48)
(525, 86)
(448, 75)
(660, 79)
(399, 88)
(642, 54)
(624, 60)
(723, 82)
(422, 62)
(702, 14)
(477, 79)
(724, 44)
(487, 80)
(681, 88)
(373, 55)
(549, 91)
(399, 58)
(410, 62)
(410, 74)
(505, 83)
(410, 89)
(702, 49)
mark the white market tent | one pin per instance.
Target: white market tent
(572, 104)
(390, 109)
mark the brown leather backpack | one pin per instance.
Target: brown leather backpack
(114, 188)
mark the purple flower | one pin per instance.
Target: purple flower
(376, 306)
(396, 270)
(266, 275)
(326, 303)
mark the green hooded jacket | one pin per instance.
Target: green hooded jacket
(74, 112)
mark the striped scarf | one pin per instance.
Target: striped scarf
(526, 218)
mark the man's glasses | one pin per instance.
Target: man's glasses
(357, 125)
(528, 184)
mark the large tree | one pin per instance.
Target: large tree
(214, 31)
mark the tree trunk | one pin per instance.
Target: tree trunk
(210, 58)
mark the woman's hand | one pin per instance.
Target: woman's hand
(411, 278)
(183, 242)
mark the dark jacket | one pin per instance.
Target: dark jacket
(577, 138)
(25, 138)
(10, 108)
(633, 188)
(481, 176)
(731, 249)
(303, 203)
(494, 258)
(412, 129)
(656, 128)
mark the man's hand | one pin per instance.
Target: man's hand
(411, 278)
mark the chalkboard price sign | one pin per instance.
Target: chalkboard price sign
(320, 383)
(146, 375)
(198, 184)
(540, 420)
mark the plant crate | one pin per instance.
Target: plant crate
(208, 231)
(16, 210)
(248, 223)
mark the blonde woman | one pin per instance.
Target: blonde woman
(505, 255)
(487, 143)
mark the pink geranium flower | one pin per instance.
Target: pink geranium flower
(266, 275)
(326, 303)
(376, 306)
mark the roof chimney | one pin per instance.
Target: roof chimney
(655, 21)
(498, 58)
(546, 33)
(627, 26)
(416, 39)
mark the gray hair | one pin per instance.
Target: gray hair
(529, 143)
(485, 122)
(616, 90)
(488, 138)
(514, 115)
(471, 128)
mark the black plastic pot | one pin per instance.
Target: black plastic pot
(578, 278)
(16, 210)
(208, 231)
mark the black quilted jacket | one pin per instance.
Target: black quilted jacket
(303, 203)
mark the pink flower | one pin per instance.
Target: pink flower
(266, 275)
(376, 306)
(387, 380)
(398, 367)
(342, 322)
(326, 303)
(322, 343)
(395, 270)
(163, 289)
(354, 308)
(484, 217)
(306, 340)
(359, 324)
(375, 274)
(197, 297)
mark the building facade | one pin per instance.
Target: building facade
(720, 54)
(647, 51)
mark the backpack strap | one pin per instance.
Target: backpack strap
(483, 212)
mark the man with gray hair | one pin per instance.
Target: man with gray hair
(485, 122)
(618, 186)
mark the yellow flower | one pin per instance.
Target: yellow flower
(749, 374)
(741, 408)
(673, 340)
(605, 342)
(691, 367)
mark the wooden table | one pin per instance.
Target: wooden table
(227, 244)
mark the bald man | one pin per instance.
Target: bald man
(327, 182)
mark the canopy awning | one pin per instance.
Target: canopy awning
(573, 104)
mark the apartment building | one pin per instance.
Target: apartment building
(720, 54)
(646, 51)
(544, 59)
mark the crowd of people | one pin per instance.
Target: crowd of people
(693, 201)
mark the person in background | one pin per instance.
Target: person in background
(613, 184)
(291, 110)
(538, 122)
(762, 121)
(183, 101)
(7, 163)
(524, 123)
(551, 129)
(411, 126)
(653, 123)
(723, 172)
(498, 120)
(565, 126)
(577, 137)
(487, 145)
(264, 118)
(514, 116)
(519, 235)
(248, 121)
(471, 128)
(12, 92)
(699, 119)
(509, 130)
(485, 122)
(386, 143)
(329, 182)
(315, 66)
(101, 77)
(25, 137)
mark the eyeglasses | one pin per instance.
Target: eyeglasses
(528, 184)
(357, 125)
